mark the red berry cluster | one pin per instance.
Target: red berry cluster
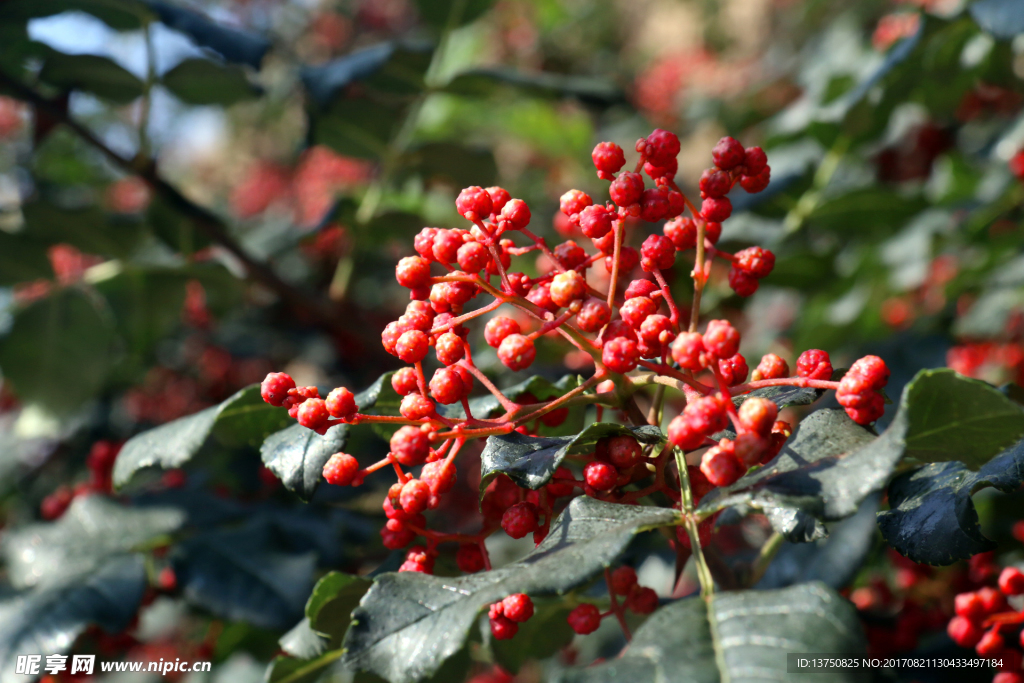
(622, 582)
(622, 320)
(506, 615)
(984, 620)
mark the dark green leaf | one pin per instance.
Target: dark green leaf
(85, 538)
(453, 164)
(242, 418)
(483, 82)
(87, 228)
(783, 396)
(952, 417)
(22, 259)
(448, 14)
(437, 613)
(58, 352)
(330, 606)
(395, 68)
(297, 455)
(869, 210)
(546, 633)
(356, 127)
(292, 670)
(1002, 18)
(931, 517)
(175, 230)
(97, 75)
(531, 461)
(124, 15)
(736, 636)
(830, 464)
(248, 574)
(203, 82)
(49, 620)
(232, 44)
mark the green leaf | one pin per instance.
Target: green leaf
(952, 417)
(783, 396)
(445, 14)
(531, 461)
(356, 127)
(436, 614)
(931, 517)
(175, 230)
(484, 82)
(735, 636)
(58, 351)
(870, 210)
(546, 633)
(830, 464)
(124, 15)
(291, 670)
(330, 606)
(232, 44)
(87, 228)
(297, 455)
(243, 418)
(392, 68)
(455, 165)
(22, 259)
(97, 75)
(93, 530)
(204, 82)
(49, 620)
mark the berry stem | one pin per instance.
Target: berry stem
(467, 316)
(505, 402)
(784, 382)
(667, 294)
(616, 607)
(619, 228)
(707, 583)
(665, 370)
(698, 275)
(548, 407)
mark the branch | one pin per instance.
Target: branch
(208, 223)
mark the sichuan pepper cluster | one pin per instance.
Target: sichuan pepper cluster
(625, 317)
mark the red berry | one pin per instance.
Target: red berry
(540, 295)
(413, 271)
(520, 283)
(654, 204)
(570, 254)
(771, 367)
(706, 415)
(734, 370)
(657, 252)
(521, 519)
(498, 328)
(992, 600)
(1008, 677)
(629, 258)
(415, 496)
(716, 209)
(728, 154)
(715, 183)
(640, 288)
(742, 282)
(749, 448)
(555, 417)
(274, 388)
(469, 559)
(593, 315)
(416, 407)
(412, 346)
(684, 436)
(720, 464)
(624, 451)
(658, 172)
(682, 232)
(688, 350)
(620, 354)
(969, 606)
(756, 183)
(596, 221)
(642, 600)
(623, 580)
(514, 216)
(1011, 581)
(446, 245)
(341, 403)
(814, 364)
(516, 352)
(964, 633)
(313, 413)
(518, 607)
(660, 148)
(721, 339)
(634, 311)
(600, 476)
(872, 370)
(585, 619)
(573, 202)
(404, 381)
(754, 160)
(446, 386)
(503, 628)
(565, 487)
(627, 188)
(712, 231)
(474, 204)
(340, 469)
(608, 159)
(757, 415)
(472, 257)
(410, 446)
(424, 243)
(449, 348)
(616, 329)
(567, 287)
(991, 644)
(756, 261)
(656, 330)
(499, 197)
(395, 540)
